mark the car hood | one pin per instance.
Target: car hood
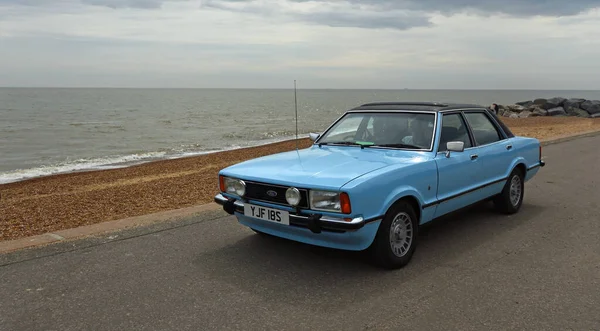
(327, 167)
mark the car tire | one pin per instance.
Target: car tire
(396, 238)
(509, 201)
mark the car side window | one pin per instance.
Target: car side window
(483, 129)
(453, 129)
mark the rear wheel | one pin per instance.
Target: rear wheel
(396, 238)
(509, 201)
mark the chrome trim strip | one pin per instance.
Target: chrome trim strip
(355, 220)
(219, 198)
(270, 184)
(304, 190)
(461, 109)
(540, 164)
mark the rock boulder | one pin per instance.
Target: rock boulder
(573, 102)
(547, 104)
(507, 113)
(504, 112)
(591, 106)
(516, 108)
(557, 111)
(525, 103)
(552, 107)
(525, 113)
(539, 112)
(572, 105)
(558, 102)
(576, 111)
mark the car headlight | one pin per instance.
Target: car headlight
(330, 201)
(233, 186)
(292, 196)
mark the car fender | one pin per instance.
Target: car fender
(518, 160)
(399, 193)
(376, 192)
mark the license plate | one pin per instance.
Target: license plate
(267, 214)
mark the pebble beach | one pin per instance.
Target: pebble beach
(58, 202)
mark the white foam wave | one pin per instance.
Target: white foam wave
(115, 162)
(79, 165)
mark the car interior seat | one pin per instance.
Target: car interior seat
(448, 134)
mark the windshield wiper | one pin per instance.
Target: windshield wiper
(369, 144)
(345, 143)
(398, 146)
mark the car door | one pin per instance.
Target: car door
(495, 150)
(458, 172)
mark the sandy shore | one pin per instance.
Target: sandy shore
(65, 201)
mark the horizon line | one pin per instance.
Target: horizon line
(291, 88)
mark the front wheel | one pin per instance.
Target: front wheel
(509, 201)
(396, 238)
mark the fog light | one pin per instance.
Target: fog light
(292, 196)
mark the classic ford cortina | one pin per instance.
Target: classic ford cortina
(379, 172)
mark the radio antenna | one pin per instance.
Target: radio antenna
(296, 107)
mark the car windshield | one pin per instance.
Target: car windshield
(407, 130)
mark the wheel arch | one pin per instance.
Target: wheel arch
(412, 200)
(521, 166)
(518, 163)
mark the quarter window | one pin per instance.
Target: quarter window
(454, 129)
(483, 129)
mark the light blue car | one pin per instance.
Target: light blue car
(379, 172)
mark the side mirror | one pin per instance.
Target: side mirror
(454, 146)
(313, 136)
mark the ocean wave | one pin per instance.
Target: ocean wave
(115, 162)
(78, 165)
(87, 123)
(260, 136)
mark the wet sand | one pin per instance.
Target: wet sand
(65, 201)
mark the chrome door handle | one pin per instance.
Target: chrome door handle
(474, 156)
(509, 147)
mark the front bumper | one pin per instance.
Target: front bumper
(314, 222)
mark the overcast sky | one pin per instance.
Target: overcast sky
(507, 44)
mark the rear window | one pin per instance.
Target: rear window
(505, 128)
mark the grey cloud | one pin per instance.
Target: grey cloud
(519, 8)
(141, 4)
(373, 21)
(348, 16)
(509, 7)
(33, 2)
(115, 4)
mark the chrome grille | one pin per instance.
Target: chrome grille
(273, 193)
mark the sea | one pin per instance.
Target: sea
(45, 131)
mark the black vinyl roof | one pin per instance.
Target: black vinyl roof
(423, 106)
(430, 106)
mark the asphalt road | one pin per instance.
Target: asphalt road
(537, 270)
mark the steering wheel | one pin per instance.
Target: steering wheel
(348, 137)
